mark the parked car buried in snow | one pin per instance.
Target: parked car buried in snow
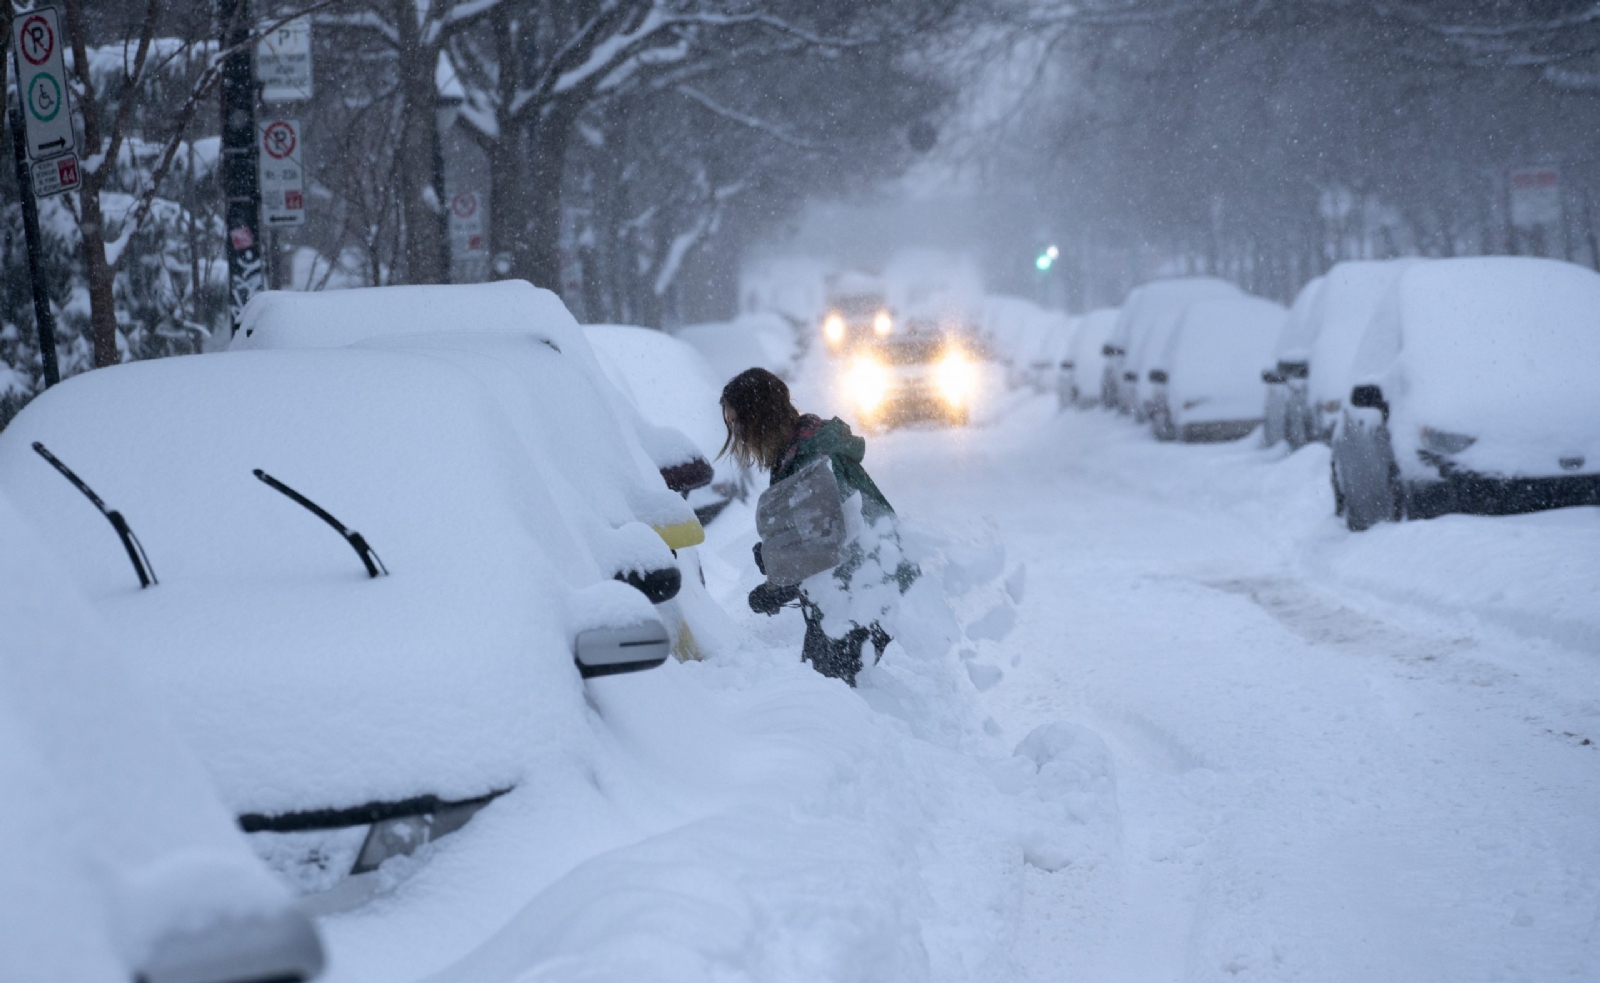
(1084, 365)
(1289, 415)
(1150, 307)
(1474, 393)
(1340, 313)
(1209, 385)
(322, 695)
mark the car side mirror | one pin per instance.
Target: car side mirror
(613, 651)
(1370, 397)
(1271, 377)
(659, 586)
(686, 477)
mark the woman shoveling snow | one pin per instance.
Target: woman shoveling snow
(846, 600)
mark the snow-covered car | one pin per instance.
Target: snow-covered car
(1210, 389)
(913, 376)
(1057, 332)
(1013, 328)
(1084, 364)
(1148, 307)
(1473, 392)
(525, 346)
(1340, 313)
(120, 862)
(1288, 412)
(671, 384)
(370, 597)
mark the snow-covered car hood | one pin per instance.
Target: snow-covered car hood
(299, 681)
(1150, 303)
(1500, 349)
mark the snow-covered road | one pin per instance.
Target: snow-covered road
(1313, 782)
(1182, 726)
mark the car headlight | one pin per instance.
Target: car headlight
(869, 383)
(882, 324)
(833, 329)
(955, 376)
(1445, 442)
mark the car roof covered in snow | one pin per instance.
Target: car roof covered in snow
(760, 339)
(578, 427)
(1498, 344)
(1151, 303)
(301, 682)
(114, 835)
(1300, 330)
(668, 379)
(1217, 352)
(1349, 296)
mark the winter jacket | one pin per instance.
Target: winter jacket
(815, 437)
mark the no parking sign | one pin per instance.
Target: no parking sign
(283, 201)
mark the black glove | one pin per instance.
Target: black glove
(768, 599)
(756, 549)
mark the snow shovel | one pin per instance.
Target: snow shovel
(801, 525)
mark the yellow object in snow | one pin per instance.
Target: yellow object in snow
(682, 535)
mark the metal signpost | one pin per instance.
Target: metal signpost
(282, 179)
(1536, 205)
(41, 131)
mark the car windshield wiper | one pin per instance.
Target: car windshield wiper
(130, 542)
(369, 556)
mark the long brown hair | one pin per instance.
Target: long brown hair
(760, 419)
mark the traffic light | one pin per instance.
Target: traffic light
(1047, 259)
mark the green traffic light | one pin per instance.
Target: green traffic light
(1044, 261)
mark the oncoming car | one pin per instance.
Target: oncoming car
(906, 378)
(858, 312)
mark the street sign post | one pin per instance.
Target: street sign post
(466, 225)
(282, 178)
(42, 83)
(283, 62)
(1535, 197)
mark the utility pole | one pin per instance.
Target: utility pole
(240, 178)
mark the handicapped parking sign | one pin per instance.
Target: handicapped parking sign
(41, 73)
